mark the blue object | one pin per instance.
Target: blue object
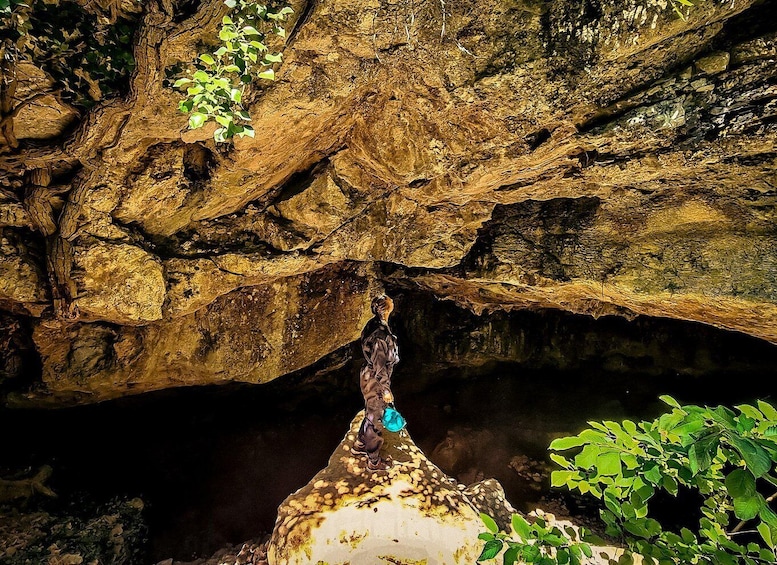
(393, 420)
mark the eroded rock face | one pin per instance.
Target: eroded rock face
(595, 157)
(120, 283)
(250, 335)
(409, 513)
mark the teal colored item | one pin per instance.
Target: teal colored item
(393, 420)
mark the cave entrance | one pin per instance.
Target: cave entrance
(483, 396)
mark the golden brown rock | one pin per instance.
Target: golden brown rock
(253, 335)
(409, 513)
(599, 159)
(119, 283)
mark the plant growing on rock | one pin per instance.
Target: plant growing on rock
(85, 52)
(726, 457)
(214, 90)
(677, 6)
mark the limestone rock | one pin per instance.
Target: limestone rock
(254, 334)
(714, 63)
(599, 158)
(39, 117)
(410, 513)
(194, 283)
(22, 280)
(121, 283)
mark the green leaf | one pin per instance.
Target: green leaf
(269, 74)
(561, 478)
(197, 119)
(612, 502)
(181, 82)
(766, 533)
(652, 472)
(768, 410)
(489, 522)
(270, 58)
(587, 457)
(768, 516)
(227, 34)
(486, 536)
(608, 463)
(750, 411)
(220, 135)
(564, 443)
(666, 399)
(235, 95)
(724, 416)
(670, 485)
(224, 120)
(560, 461)
(756, 458)
(207, 59)
(740, 483)
(251, 30)
(630, 427)
(226, 20)
(629, 461)
(701, 453)
(747, 508)
(521, 527)
(745, 423)
(491, 550)
(202, 76)
(511, 555)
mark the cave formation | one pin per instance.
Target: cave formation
(499, 165)
(596, 158)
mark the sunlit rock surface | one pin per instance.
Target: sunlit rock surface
(410, 513)
(252, 335)
(594, 157)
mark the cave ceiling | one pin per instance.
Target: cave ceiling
(598, 157)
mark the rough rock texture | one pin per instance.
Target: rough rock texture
(409, 513)
(249, 553)
(600, 157)
(249, 335)
(113, 533)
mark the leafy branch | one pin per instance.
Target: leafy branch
(534, 542)
(85, 57)
(726, 456)
(215, 89)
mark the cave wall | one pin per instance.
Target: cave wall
(600, 157)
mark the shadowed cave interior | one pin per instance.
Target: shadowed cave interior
(483, 397)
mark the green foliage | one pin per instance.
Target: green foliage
(533, 542)
(677, 4)
(215, 88)
(87, 58)
(726, 456)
